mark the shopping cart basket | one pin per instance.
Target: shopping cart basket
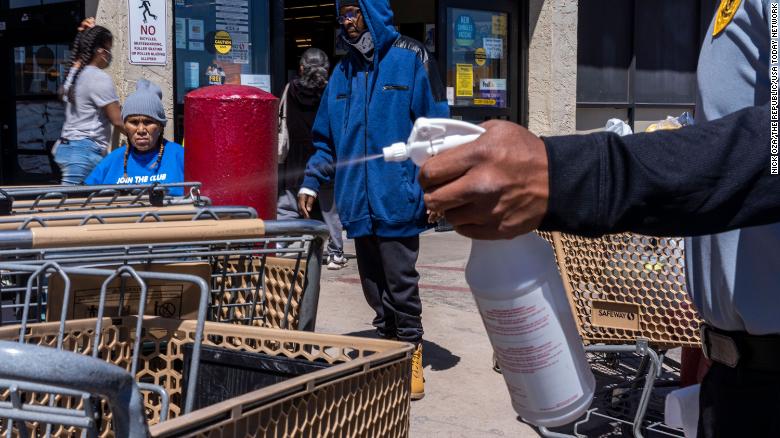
(28, 200)
(628, 296)
(263, 273)
(355, 387)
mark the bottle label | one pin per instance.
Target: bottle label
(531, 348)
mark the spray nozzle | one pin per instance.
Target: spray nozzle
(430, 137)
(396, 152)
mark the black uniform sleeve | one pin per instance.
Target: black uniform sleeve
(697, 180)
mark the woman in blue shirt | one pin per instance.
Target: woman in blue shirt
(148, 158)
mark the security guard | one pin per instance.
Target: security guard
(733, 277)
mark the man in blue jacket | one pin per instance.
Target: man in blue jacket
(373, 98)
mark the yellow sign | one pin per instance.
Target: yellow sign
(464, 80)
(223, 43)
(726, 12)
(487, 102)
(480, 56)
(499, 24)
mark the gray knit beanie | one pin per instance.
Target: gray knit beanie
(146, 101)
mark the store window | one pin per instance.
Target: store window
(477, 59)
(220, 42)
(637, 58)
(38, 71)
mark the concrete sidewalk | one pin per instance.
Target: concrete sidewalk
(464, 396)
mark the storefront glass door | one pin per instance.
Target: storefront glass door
(480, 58)
(34, 65)
(220, 42)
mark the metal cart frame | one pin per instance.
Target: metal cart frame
(250, 282)
(29, 200)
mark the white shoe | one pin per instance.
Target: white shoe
(336, 262)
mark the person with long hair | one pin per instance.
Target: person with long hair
(148, 158)
(92, 106)
(302, 96)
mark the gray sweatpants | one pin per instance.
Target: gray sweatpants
(324, 209)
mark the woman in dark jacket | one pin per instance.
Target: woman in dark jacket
(303, 97)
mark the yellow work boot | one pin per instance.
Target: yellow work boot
(418, 382)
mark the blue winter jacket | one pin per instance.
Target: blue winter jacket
(366, 107)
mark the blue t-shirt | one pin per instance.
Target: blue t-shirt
(141, 169)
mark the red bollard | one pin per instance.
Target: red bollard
(231, 145)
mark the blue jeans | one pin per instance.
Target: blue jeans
(76, 159)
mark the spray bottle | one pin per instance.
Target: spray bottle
(521, 299)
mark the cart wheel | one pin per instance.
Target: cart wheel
(612, 360)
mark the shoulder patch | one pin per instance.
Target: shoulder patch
(404, 42)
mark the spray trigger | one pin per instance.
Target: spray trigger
(429, 137)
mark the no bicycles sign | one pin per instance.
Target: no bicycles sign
(148, 32)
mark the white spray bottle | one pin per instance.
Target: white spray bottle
(521, 299)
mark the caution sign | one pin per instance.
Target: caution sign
(223, 43)
(480, 57)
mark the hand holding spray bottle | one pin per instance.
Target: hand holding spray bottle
(521, 299)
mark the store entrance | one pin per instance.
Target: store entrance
(310, 23)
(34, 52)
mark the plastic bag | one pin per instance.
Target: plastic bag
(619, 127)
(684, 119)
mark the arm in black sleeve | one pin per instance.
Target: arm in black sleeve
(696, 180)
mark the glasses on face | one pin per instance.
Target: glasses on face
(349, 16)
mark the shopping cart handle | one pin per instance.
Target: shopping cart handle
(295, 227)
(135, 233)
(26, 363)
(97, 234)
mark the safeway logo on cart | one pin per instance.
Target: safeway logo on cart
(620, 315)
(615, 315)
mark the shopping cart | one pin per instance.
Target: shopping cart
(41, 199)
(29, 369)
(628, 296)
(124, 215)
(218, 379)
(262, 273)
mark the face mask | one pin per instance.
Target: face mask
(363, 44)
(108, 56)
